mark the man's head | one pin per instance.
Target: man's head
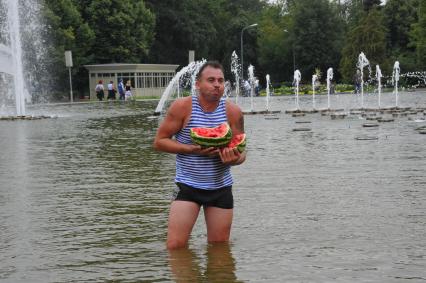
(210, 81)
(211, 64)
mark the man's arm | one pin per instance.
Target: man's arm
(236, 122)
(172, 123)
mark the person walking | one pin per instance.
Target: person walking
(99, 89)
(121, 89)
(203, 176)
(128, 93)
(111, 91)
(357, 81)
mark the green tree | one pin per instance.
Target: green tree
(275, 51)
(418, 35)
(399, 16)
(211, 28)
(181, 26)
(124, 30)
(317, 35)
(66, 30)
(370, 4)
(368, 37)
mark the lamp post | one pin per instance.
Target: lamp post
(68, 64)
(242, 56)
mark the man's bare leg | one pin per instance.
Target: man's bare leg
(182, 217)
(219, 222)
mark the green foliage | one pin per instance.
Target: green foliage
(274, 46)
(368, 37)
(317, 35)
(123, 30)
(67, 30)
(399, 16)
(418, 35)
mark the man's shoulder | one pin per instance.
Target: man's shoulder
(181, 106)
(232, 108)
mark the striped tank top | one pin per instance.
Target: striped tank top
(199, 171)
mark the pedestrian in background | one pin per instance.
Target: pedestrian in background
(99, 89)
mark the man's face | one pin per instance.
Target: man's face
(211, 83)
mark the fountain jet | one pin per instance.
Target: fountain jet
(314, 80)
(252, 85)
(13, 55)
(297, 77)
(379, 83)
(188, 73)
(362, 62)
(395, 79)
(329, 78)
(236, 70)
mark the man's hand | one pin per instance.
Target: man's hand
(208, 151)
(230, 156)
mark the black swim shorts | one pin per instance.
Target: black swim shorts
(221, 198)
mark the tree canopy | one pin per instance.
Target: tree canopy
(309, 34)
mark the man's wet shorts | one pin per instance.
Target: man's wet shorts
(221, 198)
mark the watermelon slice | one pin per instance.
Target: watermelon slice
(239, 142)
(212, 137)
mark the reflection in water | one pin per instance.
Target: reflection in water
(220, 266)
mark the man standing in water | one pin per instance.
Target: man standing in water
(203, 175)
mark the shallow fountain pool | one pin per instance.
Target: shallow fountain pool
(83, 197)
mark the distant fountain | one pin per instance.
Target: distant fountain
(420, 76)
(236, 70)
(227, 89)
(395, 79)
(252, 85)
(314, 80)
(329, 78)
(11, 58)
(362, 62)
(186, 76)
(268, 81)
(379, 83)
(296, 80)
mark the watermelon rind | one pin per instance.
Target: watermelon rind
(212, 141)
(242, 145)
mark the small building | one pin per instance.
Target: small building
(146, 79)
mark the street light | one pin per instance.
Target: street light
(294, 58)
(242, 56)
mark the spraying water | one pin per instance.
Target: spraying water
(297, 77)
(227, 89)
(252, 83)
(314, 80)
(362, 62)
(379, 83)
(236, 70)
(188, 73)
(329, 78)
(395, 79)
(420, 76)
(267, 91)
(13, 22)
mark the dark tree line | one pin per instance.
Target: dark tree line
(304, 34)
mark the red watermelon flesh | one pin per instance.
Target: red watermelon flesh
(212, 137)
(238, 141)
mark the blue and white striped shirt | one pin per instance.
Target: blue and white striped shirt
(199, 171)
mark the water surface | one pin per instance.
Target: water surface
(83, 197)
